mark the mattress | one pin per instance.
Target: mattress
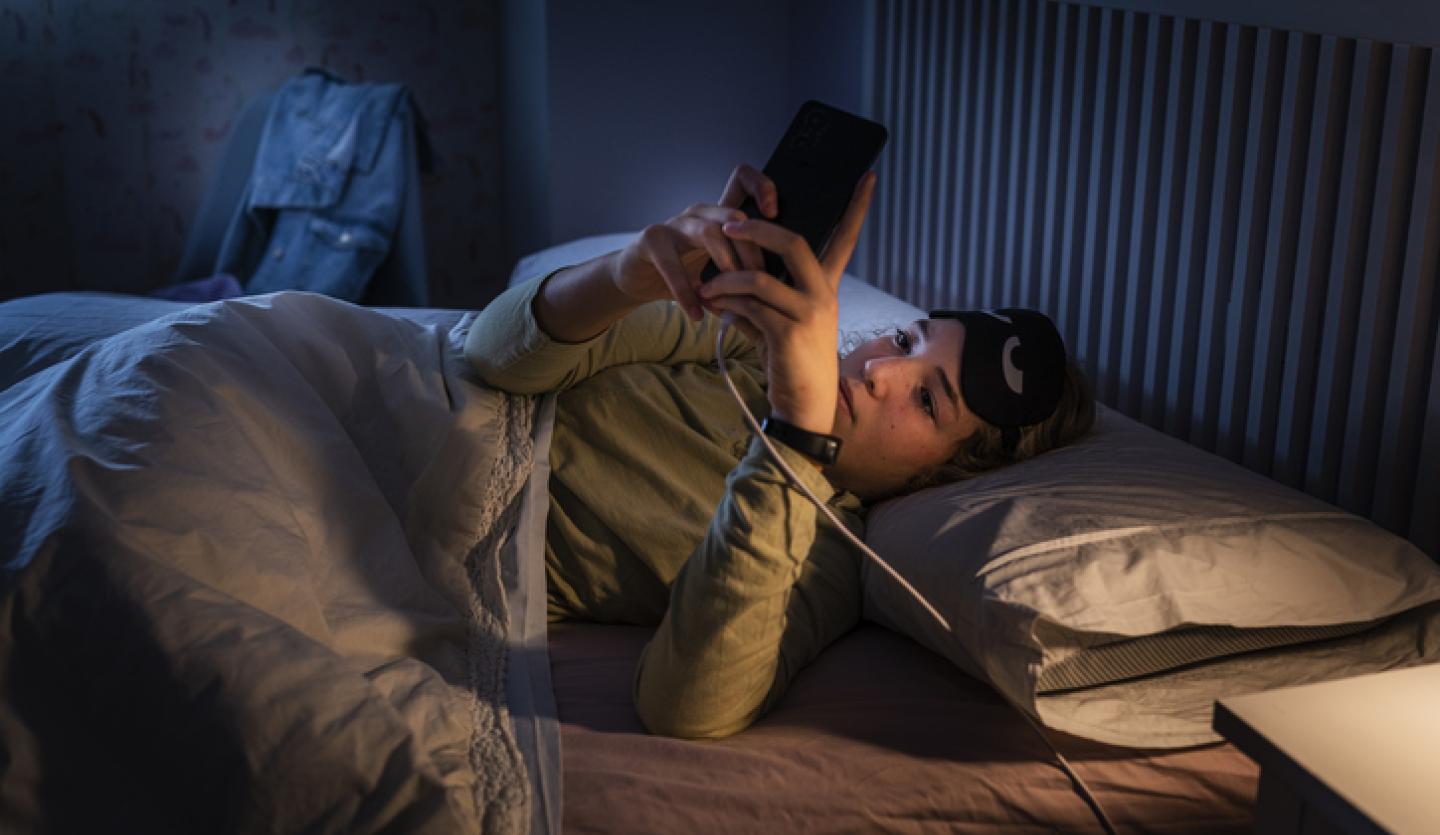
(878, 734)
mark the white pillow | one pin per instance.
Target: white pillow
(1130, 533)
(863, 309)
(567, 254)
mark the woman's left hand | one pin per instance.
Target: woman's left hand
(798, 324)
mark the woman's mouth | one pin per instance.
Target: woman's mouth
(845, 399)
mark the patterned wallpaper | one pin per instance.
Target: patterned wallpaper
(116, 113)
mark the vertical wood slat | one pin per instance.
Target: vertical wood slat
(1233, 87)
(1327, 436)
(1377, 309)
(952, 279)
(1185, 47)
(935, 97)
(1129, 330)
(1025, 32)
(912, 136)
(1037, 149)
(1282, 245)
(995, 98)
(1073, 219)
(1317, 230)
(1400, 459)
(982, 43)
(1237, 228)
(1194, 230)
(1099, 81)
(1055, 173)
(1252, 230)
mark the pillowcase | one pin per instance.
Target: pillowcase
(863, 308)
(1116, 587)
(567, 254)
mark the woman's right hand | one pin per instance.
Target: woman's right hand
(665, 261)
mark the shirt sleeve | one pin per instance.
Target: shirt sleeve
(508, 349)
(772, 584)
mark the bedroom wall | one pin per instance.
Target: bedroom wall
(116, 113)
(622, 114)
(607, 116)
(634, 109)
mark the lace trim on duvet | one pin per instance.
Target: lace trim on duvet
(502, 787)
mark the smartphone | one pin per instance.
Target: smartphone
(815, 168)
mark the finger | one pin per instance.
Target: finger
(751, 257)
(747, 255)
(705, 233)
(762, 286)
(693, 260)
(842, 242)
(661, 248)
(800, 261)
(746, 181)
(717, 215)
(767, 322)
(741, 324)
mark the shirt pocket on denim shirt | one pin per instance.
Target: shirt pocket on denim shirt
(342, 257)
(322, 255)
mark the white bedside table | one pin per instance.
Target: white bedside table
(1355, 755)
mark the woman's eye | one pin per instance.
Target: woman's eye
(927, 403)
(902, 340)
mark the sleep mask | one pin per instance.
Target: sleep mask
(1012, 366)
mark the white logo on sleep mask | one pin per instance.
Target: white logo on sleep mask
(1014, 377)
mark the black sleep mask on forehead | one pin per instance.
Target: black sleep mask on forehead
(1012, 366)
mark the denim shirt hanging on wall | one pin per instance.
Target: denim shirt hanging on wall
(332, 193)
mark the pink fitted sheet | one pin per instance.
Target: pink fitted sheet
(878, 735)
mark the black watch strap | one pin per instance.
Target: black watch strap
(822, 448)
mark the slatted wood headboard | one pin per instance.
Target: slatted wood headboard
(1236, 227)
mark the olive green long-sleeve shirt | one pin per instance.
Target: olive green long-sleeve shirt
(664, 509)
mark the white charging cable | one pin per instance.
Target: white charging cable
(726, 321)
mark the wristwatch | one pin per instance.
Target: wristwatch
(822, 448)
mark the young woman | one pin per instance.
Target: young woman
(664, 510)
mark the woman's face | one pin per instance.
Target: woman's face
(900, 412)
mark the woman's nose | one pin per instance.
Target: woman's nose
(880, 373)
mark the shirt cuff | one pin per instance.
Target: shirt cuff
(757, 458)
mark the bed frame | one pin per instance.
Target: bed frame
(1236, 227)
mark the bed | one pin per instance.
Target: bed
(883, 733)
(892, 729)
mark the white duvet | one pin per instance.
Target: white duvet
(253, 559)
